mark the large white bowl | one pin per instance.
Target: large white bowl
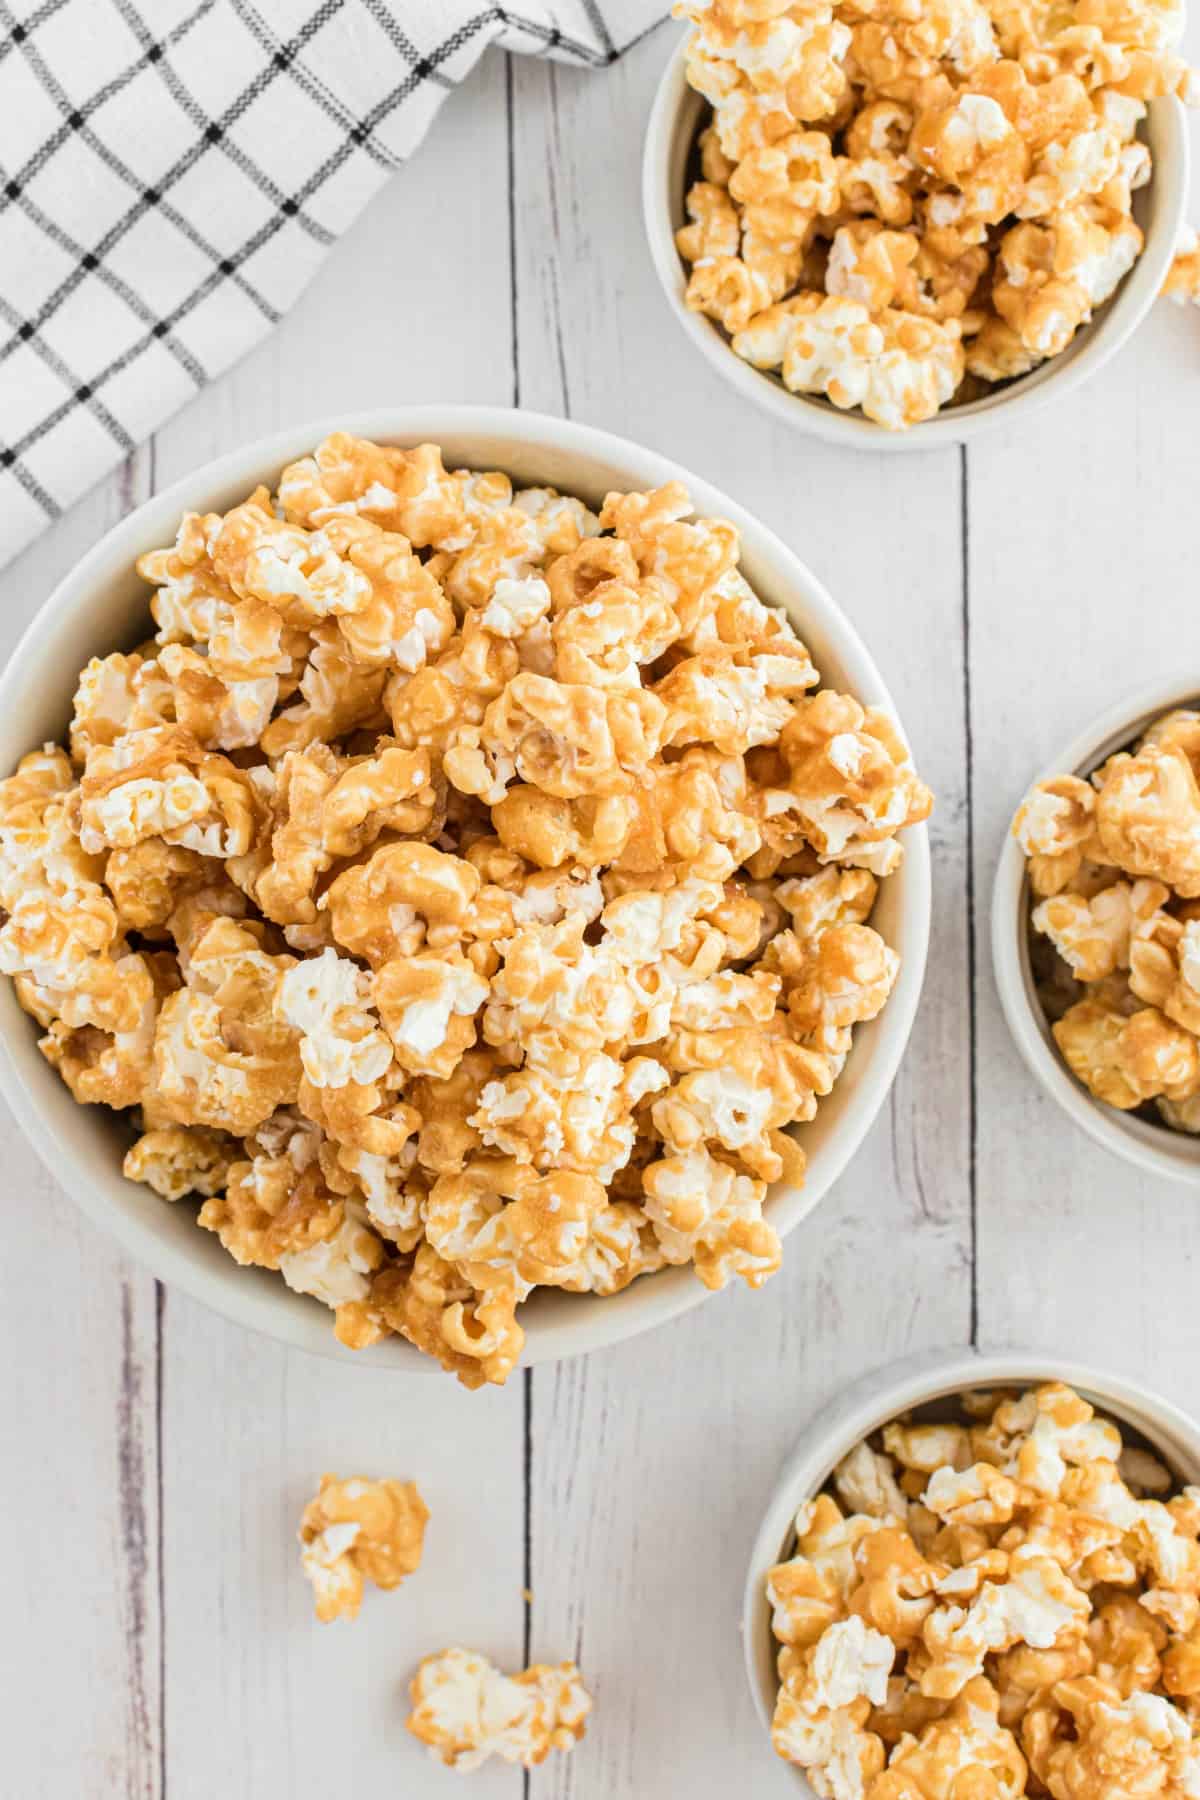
(1159, 208)
(879, 1397)
(103, 605)
(1155, 1149)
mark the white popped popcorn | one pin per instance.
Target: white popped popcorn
(324, 998)
(467, 1711)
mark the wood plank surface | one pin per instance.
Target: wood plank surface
(159, 1638)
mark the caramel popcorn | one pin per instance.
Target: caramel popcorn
(467, 1711)
(358, 1530)
(1183, 277)
(902, 204)
(1115, 860)
(463, 892)
(1008, 1606)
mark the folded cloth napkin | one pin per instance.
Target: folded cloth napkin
(173, 171)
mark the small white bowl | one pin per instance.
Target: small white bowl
(1155, 1149)
(675, 121)
(880, 1397)
(102, 605)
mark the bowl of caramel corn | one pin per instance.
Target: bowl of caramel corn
(895, 225)
(1095, 941)
(463, 889)
(980, 1573)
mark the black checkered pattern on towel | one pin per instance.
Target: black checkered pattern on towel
(173, 171)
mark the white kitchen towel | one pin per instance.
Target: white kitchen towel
(173, 171)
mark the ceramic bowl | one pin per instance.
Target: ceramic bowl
(102, 605)
(676, 119)
(1155, 1149)
(879, 1397)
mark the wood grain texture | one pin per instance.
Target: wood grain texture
(159, 1638)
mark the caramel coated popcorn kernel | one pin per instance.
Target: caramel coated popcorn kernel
(358, 1530)
(467, 1711)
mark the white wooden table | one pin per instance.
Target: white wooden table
(157, 1635)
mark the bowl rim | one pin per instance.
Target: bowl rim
(494, 432)
(1095, 344)
(877, 1397)
(1154, 1149)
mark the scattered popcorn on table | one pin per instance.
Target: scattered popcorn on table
(359, 1530)
(1010, 1606)
(900, 204)
(1114, 866)
(467, 1711)
(463, 892)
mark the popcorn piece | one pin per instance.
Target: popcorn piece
(979, 1495)
(278, 1213)
(356, 1530)
(1084, 1735)
(899, 367)
(322, 997)
(846, 976)
(117, 694)
(427, 1005)
(473, 1332)
(714, 230)
(1148, 817)
(220, 714)
(147, 882)
(1051, 276)
(870, 264)
(966, 1743)
(1164, 962)
(158, 782)
(927, 1448)
(1126, 1061)
(824, 1702)
(406, 619)
(704, 1212)
(298, 573)
(812, 1590)
(501, 1223)
(1093, 936)
(1036, 1605)
(996, 353)
(222, 1057)
(101, 1036)
(866, 1483)
(1054, 826)
(338, 695)
(405, 895)
(848, 783)
(180, 1159)
(1183, 277)
(578, 1115)
(970, 144)
(466, 1711)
